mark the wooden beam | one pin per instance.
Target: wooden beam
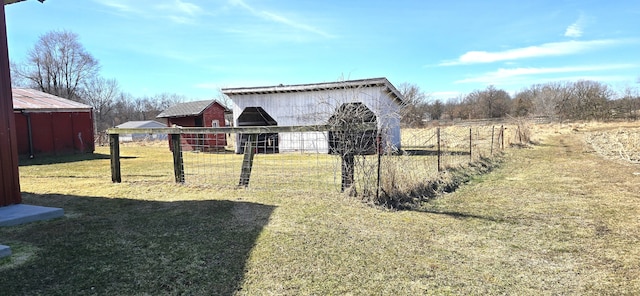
(114, 146)
(178, 166)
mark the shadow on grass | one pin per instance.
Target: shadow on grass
(53, 159)
(459, 215)
(124, 246)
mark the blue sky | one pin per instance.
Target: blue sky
(447, 48)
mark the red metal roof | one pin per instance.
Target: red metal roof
(33, 100)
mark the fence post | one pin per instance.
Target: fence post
(114, 147)
(502, 137)
(380, 151)
(178, 167)
(438, 140)
(470, 144)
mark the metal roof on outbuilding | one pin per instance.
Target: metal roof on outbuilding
(37, 101)
(189, 109)
(141, 124)
(371, 82)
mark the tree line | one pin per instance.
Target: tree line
(558, 101)
(58, 64)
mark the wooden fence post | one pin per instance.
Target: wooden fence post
(502, 137)
(114, 146)
(439, 154)
(380, 151)
(178, 166)
(470, 144)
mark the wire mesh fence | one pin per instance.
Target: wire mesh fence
(301, 159)
(276, 165)
(426, 153)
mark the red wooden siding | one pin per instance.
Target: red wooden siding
(9, 180)
(55, 133)
(202, 142)
(83, 137)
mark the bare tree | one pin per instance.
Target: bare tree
(592, 100)
(583, 100)
(436, 109)
(101, 94)
(628, 105)
(546, 99)
(493, 102)
(457, 108)
(523, 103)
(128, 108)
(16, 79)
(415, 107)
(58, 64)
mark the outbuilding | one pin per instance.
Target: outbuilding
(208, 113)
(142, 137)
(366, 100)
(51, 125)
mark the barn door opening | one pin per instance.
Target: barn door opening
(256, 116)
(349, 117)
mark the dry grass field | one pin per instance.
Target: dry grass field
(556, 218)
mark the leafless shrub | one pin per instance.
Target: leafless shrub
(404, 189)
(522, 133)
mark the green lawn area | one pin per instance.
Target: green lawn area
(554, 219)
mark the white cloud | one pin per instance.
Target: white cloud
(546, 49)
(122, 6)
(576, 29)
(180, 12)
(187, 8)
(502, 75)
(273, 17)
(176, 11)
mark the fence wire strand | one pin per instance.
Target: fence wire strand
(301, 162)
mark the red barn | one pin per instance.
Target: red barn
(50, 125)
(209, 113)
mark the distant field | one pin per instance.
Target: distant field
(555, 218)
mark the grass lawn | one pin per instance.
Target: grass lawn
(554, 219)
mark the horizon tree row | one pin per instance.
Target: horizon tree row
(559, 101)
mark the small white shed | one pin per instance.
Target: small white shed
(315, 104)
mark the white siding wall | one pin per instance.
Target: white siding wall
(309, 142)
(310, 108)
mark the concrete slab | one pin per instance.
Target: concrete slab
(5, 251)
(21, 213)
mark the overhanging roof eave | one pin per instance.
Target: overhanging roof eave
(371, 82)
